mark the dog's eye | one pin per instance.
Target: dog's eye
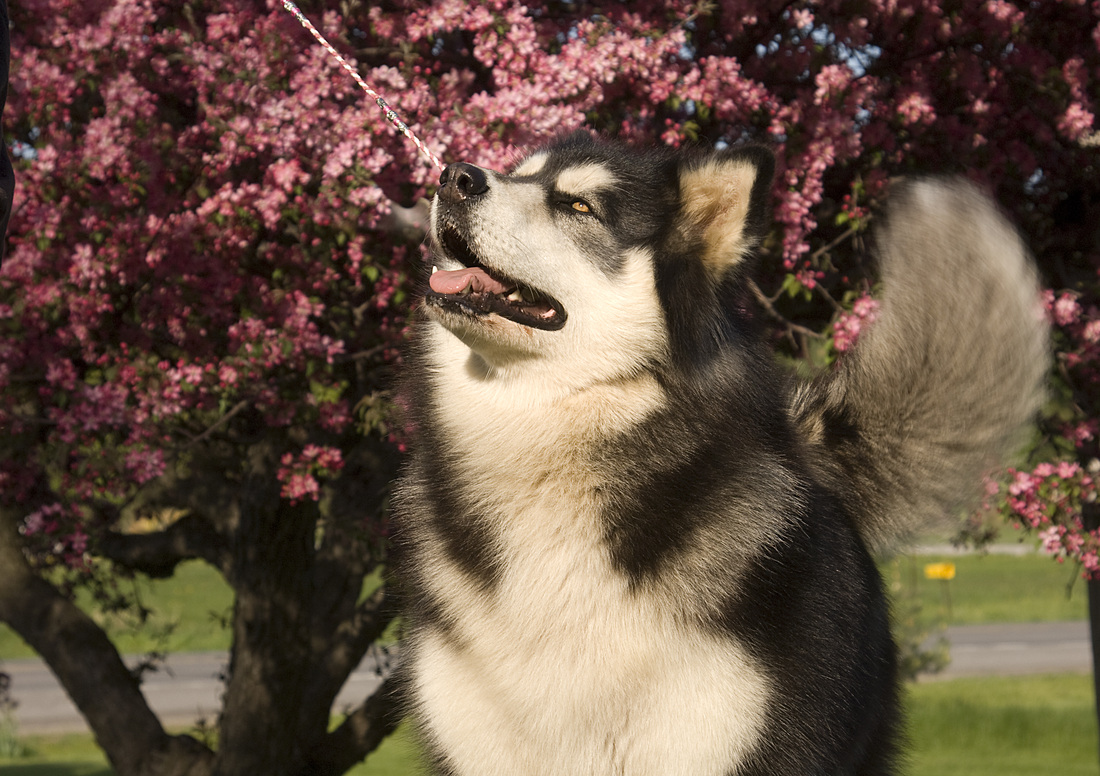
(574, 204)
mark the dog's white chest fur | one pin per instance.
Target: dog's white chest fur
(562, 668)
(579, 676)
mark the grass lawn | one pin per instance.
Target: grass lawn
(77, 755)
(189, 611)
(991, 588)
(1021, 726)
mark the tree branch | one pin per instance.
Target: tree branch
(236, 409)
(837, 307)
(343, 651)
(848, 233)
(359, 734)
(91, 671)
(769, 308)
(352, 639)
(157, 554)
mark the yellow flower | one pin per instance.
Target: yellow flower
(939, 571)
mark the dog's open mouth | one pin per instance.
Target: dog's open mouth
(475, 289)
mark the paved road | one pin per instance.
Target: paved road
(190, 690)
(1014, 650)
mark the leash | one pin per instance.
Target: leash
(386, 109)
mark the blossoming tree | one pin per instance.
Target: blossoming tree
(210, 266)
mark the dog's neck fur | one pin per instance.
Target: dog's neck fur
(549, 414)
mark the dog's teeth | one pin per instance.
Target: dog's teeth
(435, 269)
(516, 296)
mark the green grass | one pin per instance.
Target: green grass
(68, 755)
(189, 612)
(1020, 726)
(1023, 726)
(77, 755)
(58, 769)
(992, 588)
(398, 755)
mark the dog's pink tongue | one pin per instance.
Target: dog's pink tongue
(455, 281)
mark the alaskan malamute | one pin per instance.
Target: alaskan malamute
(631, 546)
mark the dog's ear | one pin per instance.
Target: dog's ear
(724, 204)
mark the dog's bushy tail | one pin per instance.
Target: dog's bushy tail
(940, 387)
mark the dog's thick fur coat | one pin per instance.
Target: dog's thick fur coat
(630, 544)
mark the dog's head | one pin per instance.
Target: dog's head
(589, 251)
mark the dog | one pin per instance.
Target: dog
(629, 543)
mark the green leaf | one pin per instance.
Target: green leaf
(794, 288)
(327, 394)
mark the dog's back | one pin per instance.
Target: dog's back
(628, 547)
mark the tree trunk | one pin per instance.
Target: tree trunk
(270, 661)
(90, 669)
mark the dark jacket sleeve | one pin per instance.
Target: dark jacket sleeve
(7, 175)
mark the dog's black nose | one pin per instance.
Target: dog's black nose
(462, 181)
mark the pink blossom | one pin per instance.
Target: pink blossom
(61, 373)
(1004, 11)
(1076, 122)
(1022, 483)
(1044, 470)
(78, 542)
(299, 472)
(1065, 310)
(802, 18)
(1051, 539)
(1083, 432)
(847, 327)
(43, 520)
(287, 173)
(1049, 500)
(1091, 331)
(831, 80)
(145, 464)
(228, 375)
(915, 108)
(299, 486)
(222, 26)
